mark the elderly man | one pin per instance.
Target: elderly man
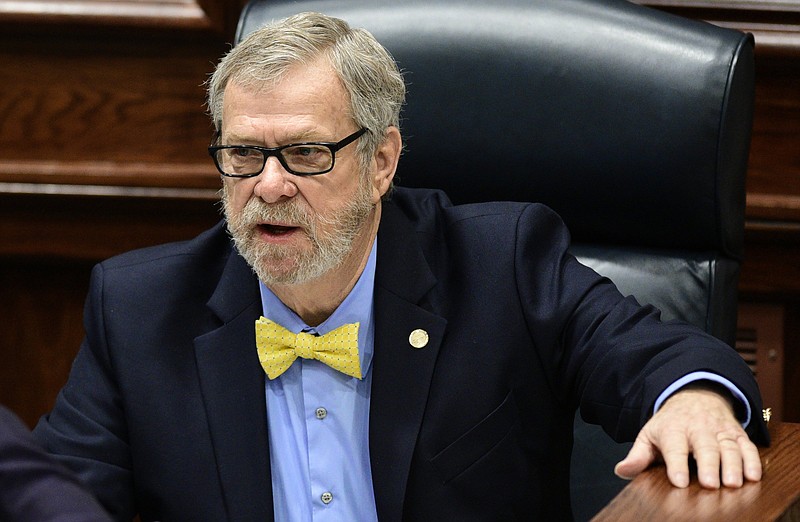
(362, 352)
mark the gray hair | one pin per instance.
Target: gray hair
(367, 71)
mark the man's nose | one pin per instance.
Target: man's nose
(274, 182)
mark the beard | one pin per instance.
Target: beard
(330, 237)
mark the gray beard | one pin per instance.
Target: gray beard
(328, 250)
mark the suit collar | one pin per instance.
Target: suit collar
(401, 373)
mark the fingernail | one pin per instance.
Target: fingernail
(710, 481)
(754, 473)
(620, 475)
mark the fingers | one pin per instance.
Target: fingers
(728, 454)
(699, 423)
(750, 458)
(675, 452)
(726, 457)
(731, 460)
(710, 451)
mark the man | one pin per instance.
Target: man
(477, 333)
(35, 487)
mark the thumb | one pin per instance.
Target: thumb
(640, 456)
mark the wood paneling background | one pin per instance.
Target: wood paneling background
(102, 149)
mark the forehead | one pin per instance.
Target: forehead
(306, 95)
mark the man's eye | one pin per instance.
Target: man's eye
(242, 152)
(305, 152)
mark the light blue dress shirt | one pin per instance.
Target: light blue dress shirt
(318, 419)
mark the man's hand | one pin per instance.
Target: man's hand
(695, 421)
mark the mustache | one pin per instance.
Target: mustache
(256, 211)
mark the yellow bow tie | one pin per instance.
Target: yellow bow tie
(278, 348)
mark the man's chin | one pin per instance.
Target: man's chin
(273, 269)
(285, 269)
(277, 277)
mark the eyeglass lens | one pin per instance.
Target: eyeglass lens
(303, 159)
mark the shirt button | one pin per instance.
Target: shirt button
(326, 497)
(321, 413)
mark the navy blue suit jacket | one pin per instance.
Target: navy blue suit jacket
(164, 411)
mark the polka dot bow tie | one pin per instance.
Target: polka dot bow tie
(278, 348)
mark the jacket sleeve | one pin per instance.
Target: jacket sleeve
(609, 355)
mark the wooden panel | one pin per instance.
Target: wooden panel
(42, 305)
(47, 247)
(770, 268)
(791, 366)
(214, 15)
(103, 142)
(90, 110)
(760, 341)
(773, 180)
(93, 228)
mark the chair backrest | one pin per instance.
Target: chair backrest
(633, 124)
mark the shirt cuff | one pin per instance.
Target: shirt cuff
(705, 376)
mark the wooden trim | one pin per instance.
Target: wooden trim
(773, 206)
(775, 25)
(108, 173)
(215, 15)
(60, 189)
(741, 5)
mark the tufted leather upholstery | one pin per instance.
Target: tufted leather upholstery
(634, 125)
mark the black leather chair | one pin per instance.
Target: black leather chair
(634, 125)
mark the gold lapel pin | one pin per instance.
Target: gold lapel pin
(766, 414)
(418, 338)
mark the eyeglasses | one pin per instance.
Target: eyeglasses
(301, 159)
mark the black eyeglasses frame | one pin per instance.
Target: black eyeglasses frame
(267, 152)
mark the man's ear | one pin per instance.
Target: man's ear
(386, 158)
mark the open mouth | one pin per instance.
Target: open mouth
(276, 230)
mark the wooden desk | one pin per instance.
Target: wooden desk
(777, 497)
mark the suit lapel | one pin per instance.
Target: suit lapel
(232, 384)
(401, 372)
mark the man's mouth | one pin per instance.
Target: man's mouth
(276, 230)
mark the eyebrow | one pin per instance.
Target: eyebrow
(300, 137)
